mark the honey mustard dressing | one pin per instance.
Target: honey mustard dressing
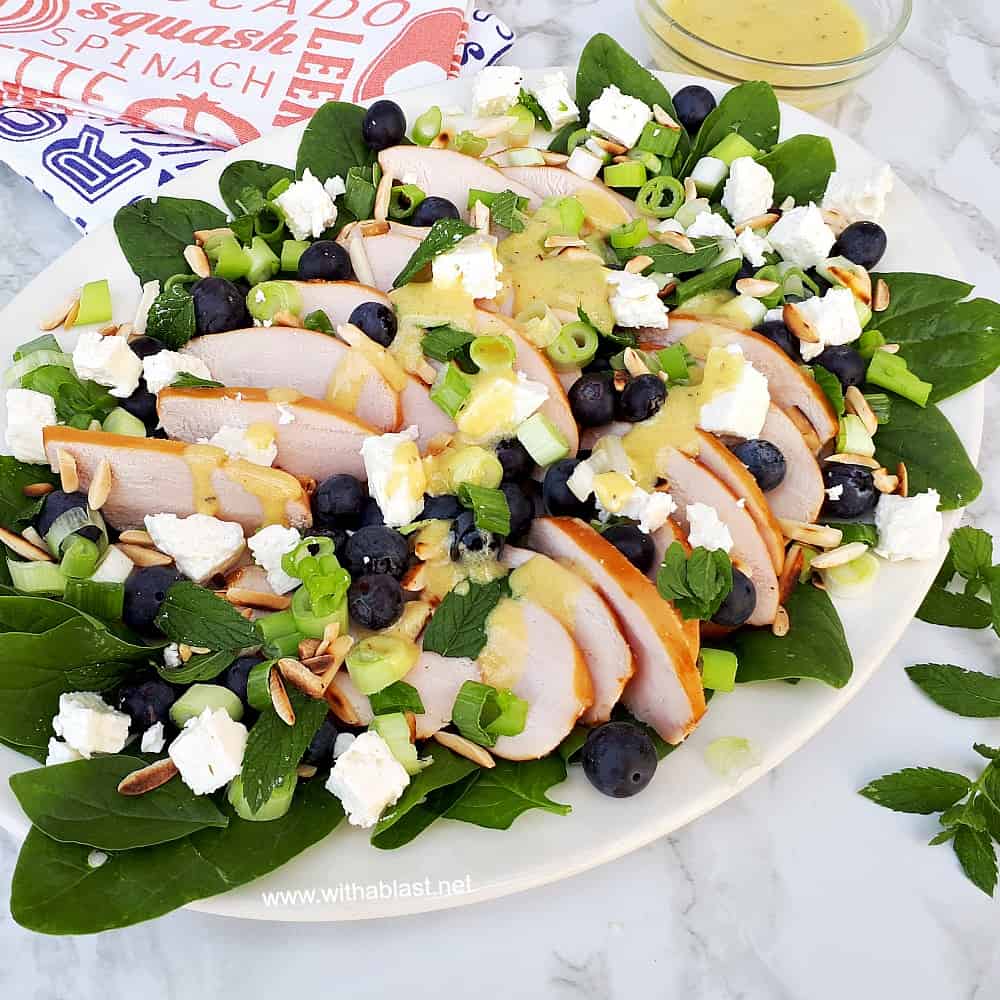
(347, 381)
(407, 472)
(432, 546)
(505, 655)
(283, 394)
(261, 435)
(553, 587)
(204, 460)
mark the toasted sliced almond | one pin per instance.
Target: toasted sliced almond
(200, 650)
(859, 283)
(285, 318)
(100, 486)
(551, 242)
(109, 330)
(383, 194)
(68, 475)
(885, 481)
(58, 315)
(137, 537)
(837, 221)
(634, 363)
(839, 556)
(619, 380)
(242, 597)
(443, 139)
(147, 778)
(756, 288)
(798, 325)
(638, 264)
(143, 556)
(662, 118)
(619, 159)
(279, 697)
(781, 623)
(301, 677)
(903, 489)
(764, 221)
(197, 260)
(70, 319)
(330, 633)
(880, 297)
(319, 664)
(554, 159)
(307, 648)
(852, 458)
(439, 443)
(576, 253)
(690, 190)
(306, 771)
(890, 348)
(23, 547)
(664, 292)
(855, 402)
(495, 127)
(614, 148)
(202, 236)
(425, 373)
(413, 619)
(31, 534)
(820, 535)
(415, 579)
(411, 723)
(466, 748)
(184, 651)
(375, 227)
(676, 240)
(37, 489)
(341, 707)
(791, 570)
(358, 253)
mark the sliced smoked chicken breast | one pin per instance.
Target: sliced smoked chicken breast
(388, 253)
(800, 495)
(603, 205)
(338, 299)
(438, 680)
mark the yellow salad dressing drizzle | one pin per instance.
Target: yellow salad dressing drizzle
(407, 471)
(260, 435)
(347, 381)
(546, 583)
(505, 655)
(284, 394)
(433, 547)
(203, 460)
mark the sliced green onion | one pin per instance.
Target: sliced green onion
(427, 127)
(269, 298)
(380, 660)
(730, 756)
(102, 600)
(269, 222)
(259, 685)
(718, 669)
(474, 709)
(198, 697)
(853, 438)
(403, 200)
(312, 622)
(444, 343)
(278, 188)
(890, 371)
(853, 579)
(674, 361)
(286, 645)
(228, 258)
(319, 321)
(578, 138)
(660, 197)
(274, 806)
(291, 251)
(70, 521)
(855, 531)
(296, 562)
(513, 715)
(474, 466)
(650, 161)
(625, 175)
(95, 304)
(450, 390)
(659, 139)
(526, 156)
(575, 346)
(274, 626)
(395, 730)
(120, 421)
(489, 507)
(631, 234)
(398, 697)
(470, 144)
(80, 558)
(46, 342)
(264, 262)
(732, 148)
(521, 132)
(869, 342)
(543, 441)
(571, 216)
(492, 353)
(881, 406)
(38, 359)
(36, 577)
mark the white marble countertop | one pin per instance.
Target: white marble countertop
(798, 888)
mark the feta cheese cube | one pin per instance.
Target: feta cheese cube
(617, 495)
(108, 361)
(554, 97)
(742, 409)
(268, 546)
(859, 198)
(153, 740)
(749, 190)
(307, 206)
(172, 659)
(802, 237)
(496, 90)
(833, 319)
(584, 163)
(159, 370)
(908, 527)
(89, 724)
(706, 530)
(335, 186)
(496, 408)
(28, 413)
(61, 753)
(619, 117)
(200, 545)
(473, 264)
(396, 477)
(708, 224)
(753, 247)
(635, 300)
(209, 750)
(367, 779)
(255, 443)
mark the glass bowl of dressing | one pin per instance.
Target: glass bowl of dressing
(811, 51)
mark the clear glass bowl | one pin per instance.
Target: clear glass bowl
(807, 85)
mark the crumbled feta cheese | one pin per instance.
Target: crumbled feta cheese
(28, 413)
(209, 750)
(496, 90)
(753, 247)
(150, 291)
(159, 370)
(335, 186)
(285, 415)
(172, 656)
(706, 530)
(495, 409)
(617, 495)
(342, 744)
(635, 300)
(835, 492)
(200, 545)
(619, 117)
(554, 97)
(307, 206)
(367, 779)
(832, 318)
(153, 740)
(89, 724)
(268, 546)
(108, 361)
(908, 527)
(708, 224)
(396, 477)
(859, 198)
(96, 858)
(742, 409)
(584, 163)
(668, 226)
(802, 237)
(473, 264)
(749, 190)
(251, 443)
(61, 753)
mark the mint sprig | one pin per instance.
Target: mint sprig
(697, 584)
(194, 615)
(458, 627)
(443, 236)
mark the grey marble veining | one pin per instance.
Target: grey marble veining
(796, 890)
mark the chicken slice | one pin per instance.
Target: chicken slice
(604, 207)
(800, 495)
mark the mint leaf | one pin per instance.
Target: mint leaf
(978, 858)
(968, 813)
(943, 607)
(194, 615)
(171, 317)
(668, 260)
(993, 583)
(201, 667)
(990, 753)
(534, 106)
(697, 584)
(397, 697)
(923, 790)
(965, 692)
(445, 343)
(185, 380)
(505, 212)
(971, 552)
(443, 236)
(458, 627)
(77, 401)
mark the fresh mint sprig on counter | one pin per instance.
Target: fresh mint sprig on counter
(977, 604)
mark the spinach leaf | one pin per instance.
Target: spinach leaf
(397, 697)
(814, 647)
(429, 795)
(274, 748)
(503, 792)
(201, 667)
(56, 891)
(922, 790)
(570, 747)
(443, 236)
(171, 317)
(185, 380)
(458, 626)
(668, 260)
(697, 584)
(194, 615)
(17, 510)
(77, 401)
(913, 292)
(831, 387)
(332, 142)
(560, 141)
(359, 198)
(243, 174)
(935, 458)
(801, 168)
(153, 233)
(750, 110)
(79, 803)
(969, 693)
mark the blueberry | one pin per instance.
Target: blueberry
(146, 347)
(431, 209)
(592, 400)
(739, 603)
(844, 362)
(55, 504)
(764, 461)
(147, 703)
(619, 759)
(376, 549)
(559, 499)
(858, 494)
(522, 510)
(325, 260)
(375, 321)
(384, 125)
(693, 105)
(513, 456)
(145, 590)
(235, 677)
(375, 600)
(219, 306)
(371, 514)
(336, 535)
(319, 753)
(779, 334)
(467, 539)
(641, 398)
(443, 508)
(863, 243)
(142, 405)
(635, 545)
(337, 502)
